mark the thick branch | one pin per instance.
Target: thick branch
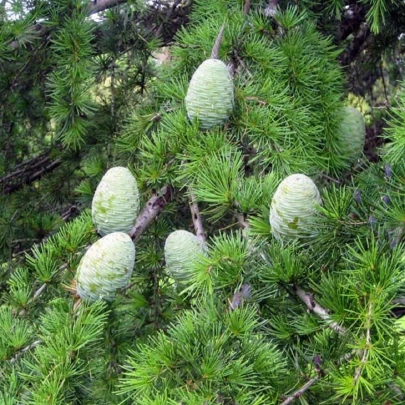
(360, 41)
(314, 307)
(101, 5)
(352, 19)
(152, 209)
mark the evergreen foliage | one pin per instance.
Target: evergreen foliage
(252, 319)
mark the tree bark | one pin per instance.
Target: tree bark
(152, 209)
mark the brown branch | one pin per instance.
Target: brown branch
(38, 30)
(218, 42)
(242, 63)
(101, 5)
(169, 17)
(28, 172)
(305, 297)
(300, 391)
(22, 351)
(151, 210)
(352, 19)
(173, 17)
(93, 8)
(72, 211)
(320, 373)
(38, 292)
(361, 40)
(383, 82)
(246, 9)
(243, 224)
(314, 307)
(271, 9)
(237, 299)
(197, 219)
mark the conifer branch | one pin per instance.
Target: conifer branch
(197, 219)
(362, 38)
(242, 221)
(366, 351)
(242, 63)
(314, 307)
(28, 172)
(218, 42)
(300, 391)
(306, 297)
(240, 296)
(70, 212)
(101, 5)
(243, 224)
(39, 292)
(271, 9)
(22, 351)
(176, 21)
(151, 210)
(93, 8)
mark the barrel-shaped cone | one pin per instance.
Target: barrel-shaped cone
(106, 267)
(293, 208)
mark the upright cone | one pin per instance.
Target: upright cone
(181, 249)
(352, 134)
(115, 205)
(106, 267)
(292, 209)
(210, 94)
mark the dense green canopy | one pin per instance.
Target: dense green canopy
(231, 312)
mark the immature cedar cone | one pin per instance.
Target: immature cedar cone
(106, 267)
(115, 204)
(210, 94)
(293, 209)
(181, 249)
(352, 134)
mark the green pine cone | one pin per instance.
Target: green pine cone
(106, 267)
(115, 205)
(293, 209)
(181, 249)
(210, 94)
(352, 134)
